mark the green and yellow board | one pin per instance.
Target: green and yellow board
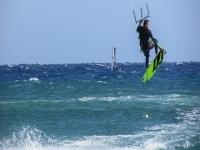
(154, 66)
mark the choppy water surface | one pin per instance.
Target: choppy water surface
(87, 106)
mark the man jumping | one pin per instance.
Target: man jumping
(147, 41)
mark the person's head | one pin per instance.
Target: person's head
(146, 24)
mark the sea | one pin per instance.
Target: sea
(87, 106)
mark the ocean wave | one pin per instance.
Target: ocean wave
(163, 136)
(88, 107)
(160, 136)
(101, 82)
(102, 64)
(25, 137)
(34, 80)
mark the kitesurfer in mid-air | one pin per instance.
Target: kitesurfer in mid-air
(147, 41)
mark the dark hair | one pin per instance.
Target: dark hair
(145, 22)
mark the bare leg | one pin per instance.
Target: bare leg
(147, 58)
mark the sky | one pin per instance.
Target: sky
(85, 31)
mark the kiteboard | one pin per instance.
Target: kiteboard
(153, 66)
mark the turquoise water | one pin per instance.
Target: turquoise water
(89, 107)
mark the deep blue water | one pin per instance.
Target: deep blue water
(89, 107)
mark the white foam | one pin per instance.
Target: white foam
(10, 66)
(25, 138)
(119, 77)
(87, 98)
(179, 63)
(102, 82)
(174, 95)
(163, 136)
(88, 69)
(121, 98)
(101, 64)
(34, 79)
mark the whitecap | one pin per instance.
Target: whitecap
(88, 69)
(87, 98)
(10, 66)
(102, 82)
(34, 79)
(119, 77)
(174, 95)
(26, 137)
(179, 63)
(101, 64)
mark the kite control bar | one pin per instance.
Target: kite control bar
(141, 14)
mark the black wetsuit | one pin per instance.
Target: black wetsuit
(144, 36)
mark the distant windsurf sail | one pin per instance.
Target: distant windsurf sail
(113, 61)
